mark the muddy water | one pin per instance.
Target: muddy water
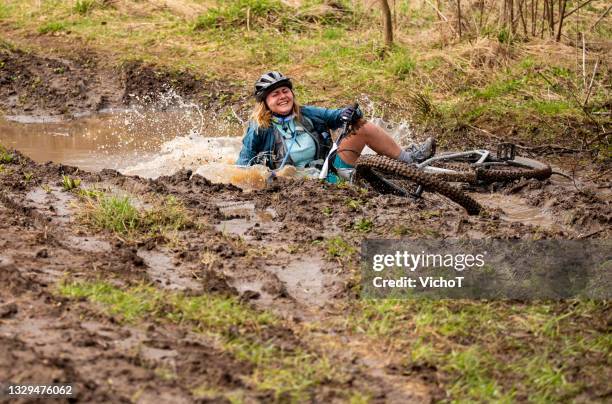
(118, 140)
(516, 209)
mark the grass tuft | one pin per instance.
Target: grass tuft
(233, 14)
(51, 27)
(364, 225)
(401, 64)
(119, 215)
(5, 156)
(69, 183)
(84, 6)
(338, 248)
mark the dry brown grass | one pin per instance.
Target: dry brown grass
(186, 9)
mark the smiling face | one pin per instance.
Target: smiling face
(280, 101)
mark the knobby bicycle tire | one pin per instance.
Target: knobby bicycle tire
(386, 165)
(519, 167)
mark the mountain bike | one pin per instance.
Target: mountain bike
(389, 176)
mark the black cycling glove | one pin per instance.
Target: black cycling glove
(351, 114)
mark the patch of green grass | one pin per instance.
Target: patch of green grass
(114, 213)
(338, 248)
(333, 33)
(505, 36)
(401, 64)
(5, 156)
(286, 373)
(168, 214)
(354, 204)
(491, 351)
(27, 177)
(500, 88)
(119, 215)
(364, 225)
(129, 305)
(51, 27)
(234, 14)
(5, 11)
(550, 107)
(84, 6)
(69, 183)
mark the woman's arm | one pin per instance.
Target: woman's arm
(251, 144)
(328, 117)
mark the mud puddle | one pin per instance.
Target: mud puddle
(242, 219)
(91, 143)
(118, 140)
(51, 201)
(305, 280)
(517, 210)
(163, 270)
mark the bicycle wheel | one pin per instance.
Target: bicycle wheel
(463, 170)
(390, 176)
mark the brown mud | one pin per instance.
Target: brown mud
(268, 247)
(81, 83)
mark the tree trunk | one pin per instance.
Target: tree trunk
(562, 4)
(459, 18)
(534, 16)
(522, 17)
(551, 17)
(387, 23)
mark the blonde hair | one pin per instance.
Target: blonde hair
(263, 116)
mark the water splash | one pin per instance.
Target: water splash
(403, 132)
(159, 135)
(190, 152)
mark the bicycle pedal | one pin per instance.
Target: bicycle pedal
(506, 151)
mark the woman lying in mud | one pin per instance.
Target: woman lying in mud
(281, 132)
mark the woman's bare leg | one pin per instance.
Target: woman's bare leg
(372, 135)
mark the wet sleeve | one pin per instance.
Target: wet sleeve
(250, 146)
(331, 117)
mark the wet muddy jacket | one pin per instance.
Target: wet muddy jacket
(265, 145)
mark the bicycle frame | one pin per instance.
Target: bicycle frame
(425, 165)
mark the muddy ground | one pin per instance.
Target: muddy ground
(270, 252)
(291, 249)
(81, 82)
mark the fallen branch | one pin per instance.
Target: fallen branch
(441, 15)
(599, 137)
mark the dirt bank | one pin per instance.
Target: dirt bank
(82, 82)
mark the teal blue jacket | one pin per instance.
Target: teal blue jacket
(258, 140)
